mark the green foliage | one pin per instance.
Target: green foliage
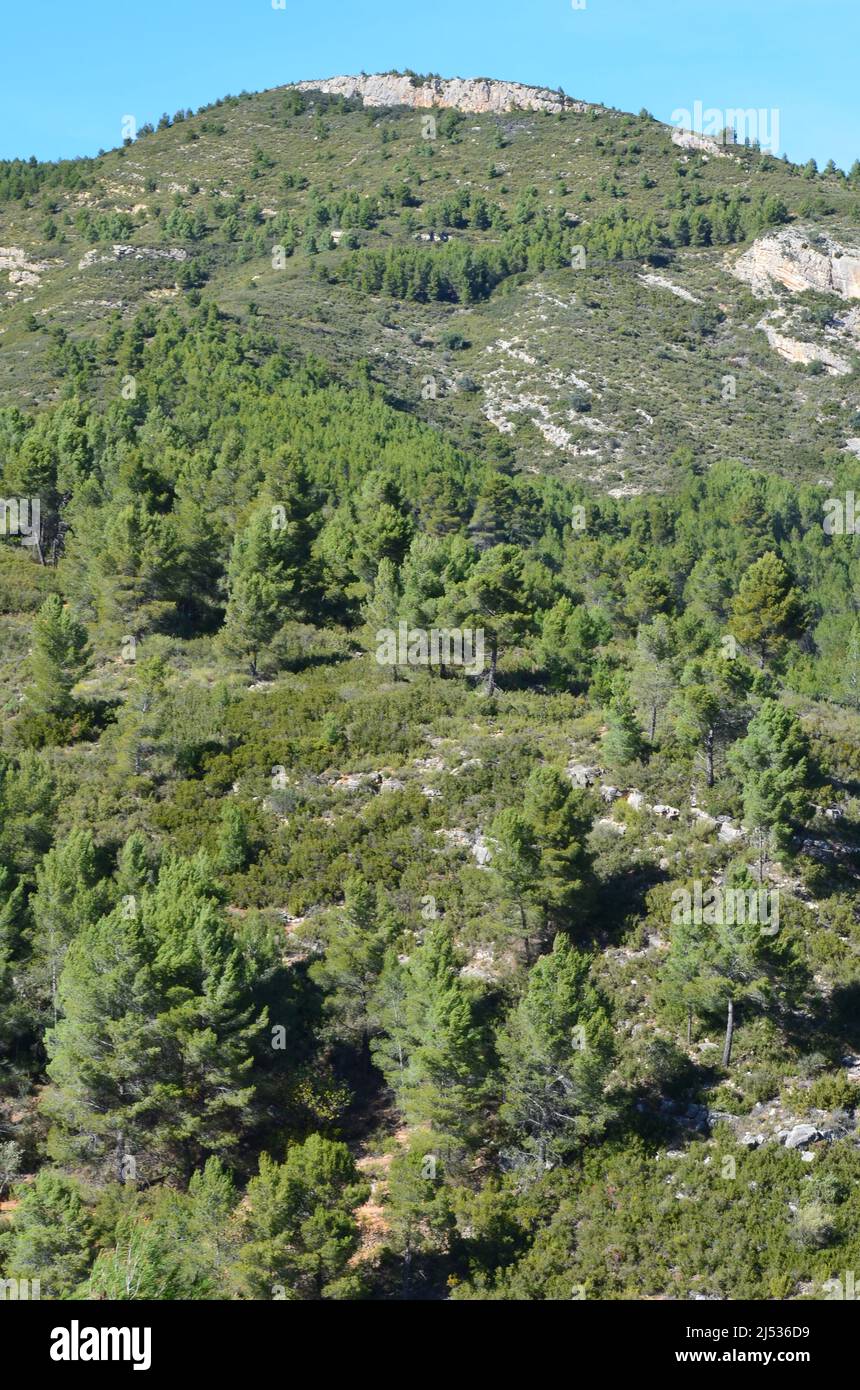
(299, 1231)
(555, 1054)
(359, 901)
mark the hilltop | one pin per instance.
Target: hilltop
(588, 286)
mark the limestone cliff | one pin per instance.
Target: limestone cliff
(800, 260)
(472, 94)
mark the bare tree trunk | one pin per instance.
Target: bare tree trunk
(709, 756)
(689, 1027)
(730, 1032)
(525, 930)
(491, 679)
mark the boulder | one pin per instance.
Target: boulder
(729, 833)
(581, 775)
(800, 1136)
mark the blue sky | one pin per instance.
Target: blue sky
(73, 70)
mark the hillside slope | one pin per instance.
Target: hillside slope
(601, 314)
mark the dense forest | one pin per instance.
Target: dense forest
(331, 966)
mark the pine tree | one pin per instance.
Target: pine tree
(58, 659)
(263, 584)
(52, 1240)
(560, 820)
(685, 975)
(767, 611)
(772, 763)
(354, 941)
(516, 864)
(128, 558)
(134, 869)
(152, 1058)
(233, 849)
(70, 894)
(622, 742)
(299, 1228)
(106, 1054)
(212, 1024)
(381, 612)
(419, 1215)
(439, 1070)
(568, 641)
(653, 677)
(15, 1021)
(555, 1050)
(495, 602)
(27, 810)
(382, 525)
(171, 1245)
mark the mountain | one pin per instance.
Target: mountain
(629, 295)
(429, 708)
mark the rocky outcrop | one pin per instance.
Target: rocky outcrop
(474, 94)
(118, 252)
(800, 259)
(23, 269)
(793, 350)
(704, 144)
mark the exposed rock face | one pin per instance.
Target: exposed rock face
(691, 140)
(23, 269)
(800, 260)
(795, 351)
(475, 94)
(139, 253)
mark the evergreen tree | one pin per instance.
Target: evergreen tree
(767, 611)
(516, 864)
(70, 894)
(494, 601)
(570, 636)
(419, 1214)
(622, 742)
(381, 609)
(354, 942)
(152, 1057)
(233, 849)
(52, 1237)
(263, 584)
(559, 818)
(299, 1227)
(172, 1245)
(555, 1051)
(439, 1074)
(772, 763)
(711, 705)
(653, 677)
(58, 659)
(687, 969)
(106, 1053)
